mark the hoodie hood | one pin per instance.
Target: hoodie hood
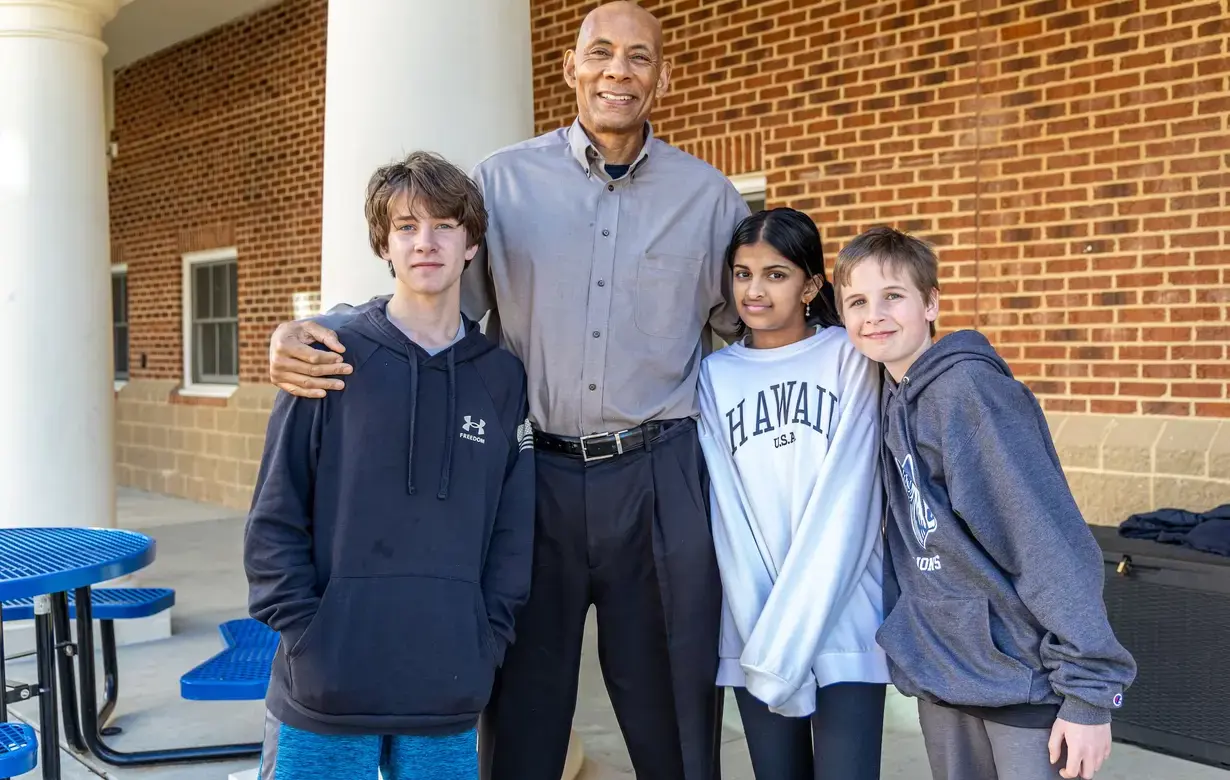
(949, 351)
(373, 323)
(966, 348)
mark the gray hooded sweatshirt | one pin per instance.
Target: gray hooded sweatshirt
(998, 588)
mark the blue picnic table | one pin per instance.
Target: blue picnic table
(48, 564)
(45, 564)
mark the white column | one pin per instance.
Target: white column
(449, 76)
(56, 394)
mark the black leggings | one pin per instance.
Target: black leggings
(846, 731)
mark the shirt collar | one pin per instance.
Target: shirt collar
(588, 156)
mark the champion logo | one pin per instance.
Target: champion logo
(1118, 700)
(478, 429)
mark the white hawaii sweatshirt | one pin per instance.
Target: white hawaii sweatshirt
(791, 438)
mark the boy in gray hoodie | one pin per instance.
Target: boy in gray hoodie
(995, 619)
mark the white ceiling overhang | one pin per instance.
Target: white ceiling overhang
(143, 27)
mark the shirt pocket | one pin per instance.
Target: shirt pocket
(667, 294)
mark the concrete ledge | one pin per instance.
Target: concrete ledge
(1129, 443)
(1108, 499)
(205, 452)
(1183, 447)
(1079, 440)
(1198, 495)
(1118, 466)
(1219, 454)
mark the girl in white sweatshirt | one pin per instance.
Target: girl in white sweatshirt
(790, 431)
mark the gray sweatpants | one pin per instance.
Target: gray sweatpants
(962, 747)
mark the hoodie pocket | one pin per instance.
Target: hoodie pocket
(945, 650)
(395, 646)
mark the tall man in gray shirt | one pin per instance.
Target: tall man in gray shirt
(603, 271)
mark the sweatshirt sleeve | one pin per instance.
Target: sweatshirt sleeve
(1006, 483)
(829, 552)
(747, 570)
(277, 550)
(506, 572)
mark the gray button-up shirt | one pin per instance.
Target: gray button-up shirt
(603, 287)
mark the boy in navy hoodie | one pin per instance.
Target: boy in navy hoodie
(995, 618)
(390, 535)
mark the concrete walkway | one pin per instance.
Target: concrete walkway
(199, 549)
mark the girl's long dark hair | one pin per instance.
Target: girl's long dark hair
(794, 236)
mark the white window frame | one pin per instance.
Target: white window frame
(190, 260)
(121, 269)
(750, 184)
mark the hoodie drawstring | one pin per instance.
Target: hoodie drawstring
(414, 405)
(447, 468)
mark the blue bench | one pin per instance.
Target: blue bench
(107, 605)
(240, 672)
(18, 749)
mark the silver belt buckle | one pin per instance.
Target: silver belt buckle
(619, 446)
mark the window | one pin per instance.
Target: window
(752, 187)
(119, 320)
(211, 322)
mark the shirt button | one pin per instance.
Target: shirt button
(602, 283)
(597, 334)
(610, 188)
(606, 232)
(593, 387)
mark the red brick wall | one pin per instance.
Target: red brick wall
(220, 143)
(1070, 159)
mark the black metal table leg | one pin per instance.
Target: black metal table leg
(4, 682)
(89, 712)
(64, 662)
(111, 678)
(49, 738)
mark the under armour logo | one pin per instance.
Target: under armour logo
(470, 425)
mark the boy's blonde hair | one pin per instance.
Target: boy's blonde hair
(899, 251)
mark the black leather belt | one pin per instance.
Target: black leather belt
(602, 446)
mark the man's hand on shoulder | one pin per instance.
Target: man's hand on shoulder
(299, 368)
(1088, 747)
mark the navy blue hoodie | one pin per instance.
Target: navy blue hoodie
(390, 536)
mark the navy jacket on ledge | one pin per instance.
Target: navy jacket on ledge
(390, 536)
